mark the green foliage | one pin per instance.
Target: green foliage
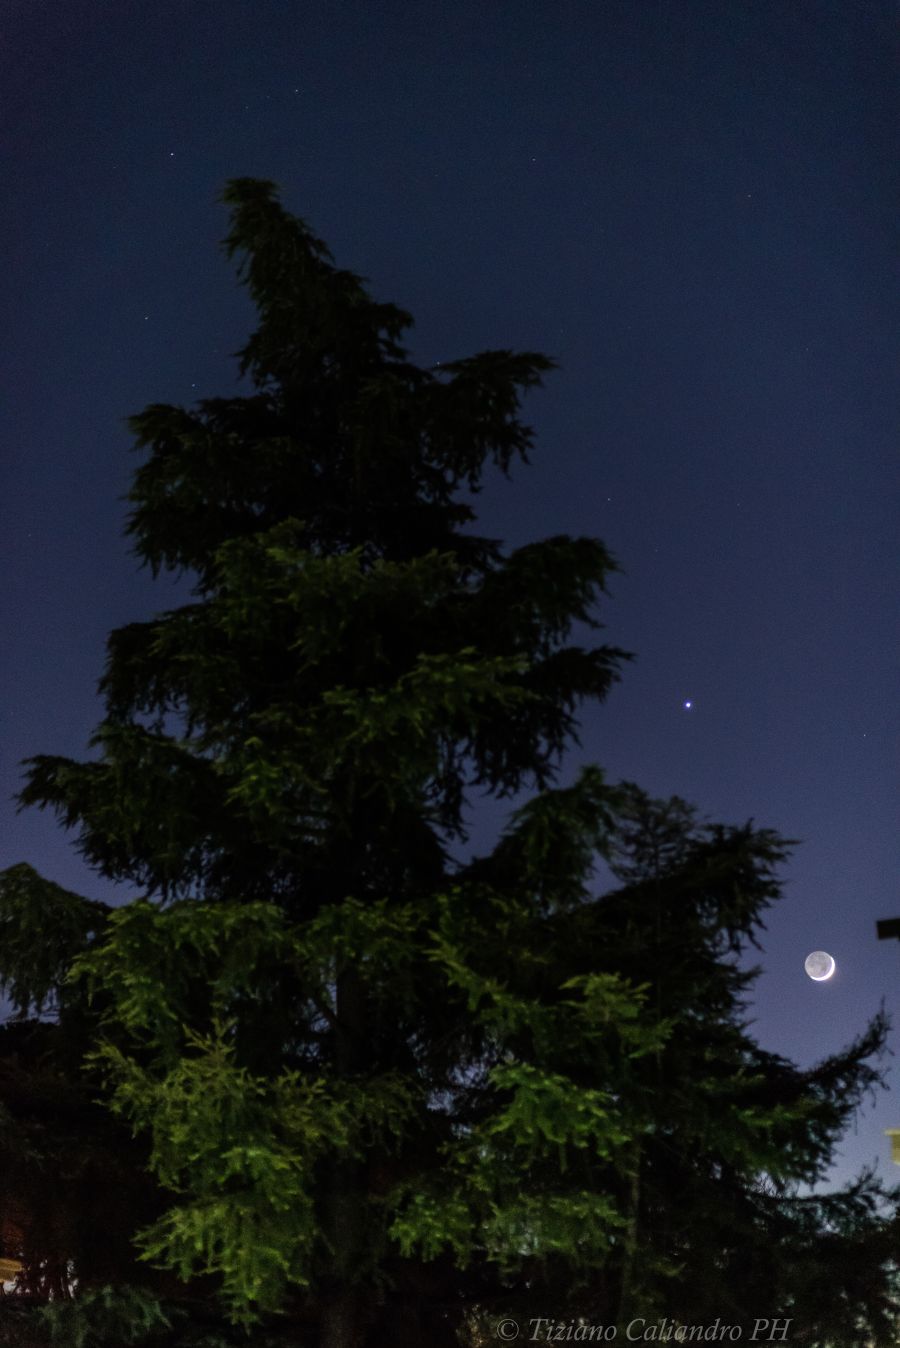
(42, 928)
(111, 1317)
(106, 1318)
(153, 958)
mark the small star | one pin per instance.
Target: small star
(171, 154)
(146, 316)
(688, 705)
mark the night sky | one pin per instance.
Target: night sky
(692, 205)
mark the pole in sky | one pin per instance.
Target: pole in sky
(889, 930)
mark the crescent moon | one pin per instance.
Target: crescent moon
(819, 965)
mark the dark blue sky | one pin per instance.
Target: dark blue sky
(692, 205)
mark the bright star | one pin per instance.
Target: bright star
(688, 705)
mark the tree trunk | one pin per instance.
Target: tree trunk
(630, 1238)
(343, 1323)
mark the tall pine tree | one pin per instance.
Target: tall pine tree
(384, 1096)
